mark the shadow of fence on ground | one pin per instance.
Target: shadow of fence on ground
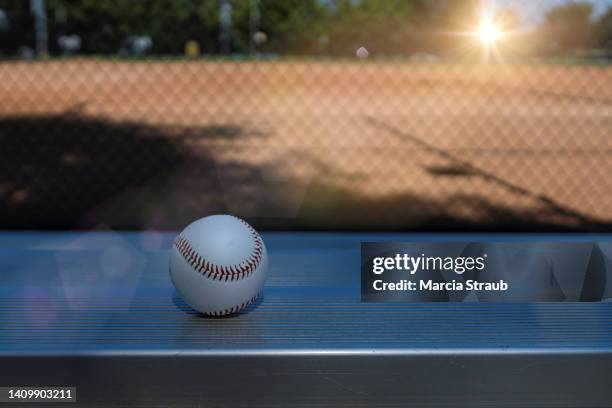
(70, 171)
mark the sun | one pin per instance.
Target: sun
(488, 32)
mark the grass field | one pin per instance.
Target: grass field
(308, 144)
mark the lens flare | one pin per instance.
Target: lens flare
(488, 33)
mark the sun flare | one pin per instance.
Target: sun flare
(488, 32)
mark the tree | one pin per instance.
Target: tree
(569, 26)
(381, 26)
(604, 30)
(19, 28)
(105, 24)
(289, 25)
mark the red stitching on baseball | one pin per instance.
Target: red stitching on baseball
(233, 309)
(220, 272)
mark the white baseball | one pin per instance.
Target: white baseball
(218, 264)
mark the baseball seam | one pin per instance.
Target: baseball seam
(233, 309)
(220, 272)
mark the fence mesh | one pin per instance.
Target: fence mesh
(417, 142)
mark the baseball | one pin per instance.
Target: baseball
(218, 264)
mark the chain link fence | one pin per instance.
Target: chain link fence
(354, 141)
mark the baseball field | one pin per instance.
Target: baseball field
(306, 144)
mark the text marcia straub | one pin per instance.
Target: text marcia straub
(430, 285)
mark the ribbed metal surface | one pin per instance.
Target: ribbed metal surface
(110, 292)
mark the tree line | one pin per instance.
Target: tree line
(297, 27)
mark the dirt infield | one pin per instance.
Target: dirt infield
(306, 144)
